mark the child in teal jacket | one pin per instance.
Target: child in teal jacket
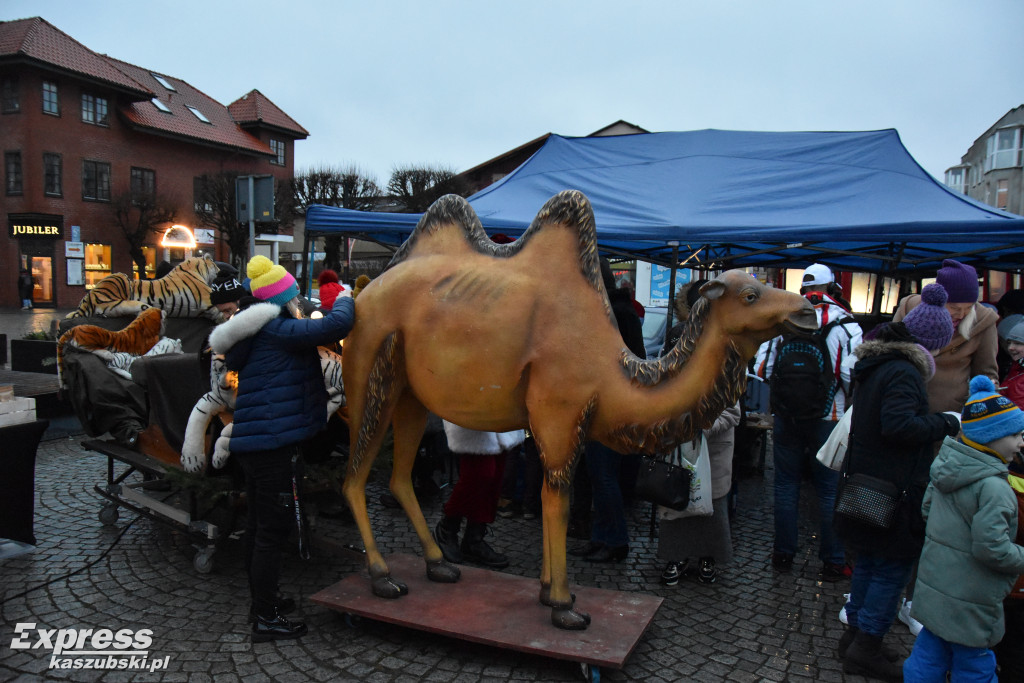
(970, 561)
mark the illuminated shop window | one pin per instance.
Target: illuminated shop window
(150, 255)
(97, 263)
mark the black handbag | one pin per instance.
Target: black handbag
(869, 499)
(663, 483)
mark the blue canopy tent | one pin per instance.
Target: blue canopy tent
(722, 199)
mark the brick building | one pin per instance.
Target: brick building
(84, 134)
(991, 170)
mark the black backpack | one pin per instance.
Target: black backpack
(802, 382)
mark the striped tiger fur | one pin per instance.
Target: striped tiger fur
(182, 293)
(221, 399)
(138, 338)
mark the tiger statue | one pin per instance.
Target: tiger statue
(221, 399)
(137, 338)
(182, 293)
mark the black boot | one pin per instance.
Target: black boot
(476, 549)
(446, 533)
(276, 628)
(846, 640)
(282, 603)
(864, 657)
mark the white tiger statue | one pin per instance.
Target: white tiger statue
(221, 399)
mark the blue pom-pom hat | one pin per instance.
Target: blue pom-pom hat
(987, 415)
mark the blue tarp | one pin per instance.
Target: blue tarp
(854, 200)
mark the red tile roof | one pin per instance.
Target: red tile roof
(255, 107)
(222, 128)
(38, 40)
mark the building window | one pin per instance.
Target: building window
(161, 106)
(97, 263)
(143, 185)
(51, 105)
(52, 184)
(12, 172)
(149, 254)
(277, 146)
(955, 179)
(201, 194)
(94, 110)
(1003, 149)
(96, 181)
(10, 102)
(163, 81)
(1002, 193)
(198, 114)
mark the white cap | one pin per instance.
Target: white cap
(817, 274)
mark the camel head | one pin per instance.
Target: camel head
(751, 313)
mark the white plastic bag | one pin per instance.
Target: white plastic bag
(833, 452)
(697, 461)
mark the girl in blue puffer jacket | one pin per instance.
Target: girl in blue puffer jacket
(281, 403)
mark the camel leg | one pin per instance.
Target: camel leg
(554, 576)
(364, 448)
(409, 420)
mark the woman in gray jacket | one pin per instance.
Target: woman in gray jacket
(969, 562)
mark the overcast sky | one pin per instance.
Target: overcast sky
(385, 83)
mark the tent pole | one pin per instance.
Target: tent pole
(307, 279)
(671, 290)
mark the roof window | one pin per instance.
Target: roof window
(164, 82)
(199, 114)
(161, 106)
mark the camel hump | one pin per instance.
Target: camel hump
(568, 209)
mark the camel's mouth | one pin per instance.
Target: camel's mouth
(803, 320)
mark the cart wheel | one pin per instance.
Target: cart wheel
(108, 514)
(591, 673)
(203, 561)
(353, 620)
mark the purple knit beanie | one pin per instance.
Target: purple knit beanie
(960, 281)
(929, 321)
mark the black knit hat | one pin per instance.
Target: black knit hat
(226, 289)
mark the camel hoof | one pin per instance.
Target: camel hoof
(443, 572)
(569, 619)
(386, 587)
(545, 596)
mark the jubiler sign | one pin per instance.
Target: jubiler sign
(35, 228)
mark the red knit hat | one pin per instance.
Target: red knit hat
(327, 275)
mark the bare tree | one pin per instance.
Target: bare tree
(215, 208)
(416, 188)
(139, 215)
(346, 187)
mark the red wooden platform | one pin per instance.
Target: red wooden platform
(499, 609)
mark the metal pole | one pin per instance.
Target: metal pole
(252, 218)
(307, 283)
(671, 290)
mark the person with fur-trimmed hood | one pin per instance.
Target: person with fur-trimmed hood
(281, 403)
(892, 437)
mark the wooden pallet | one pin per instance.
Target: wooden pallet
(502, 610)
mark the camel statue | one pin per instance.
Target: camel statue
(521, 335)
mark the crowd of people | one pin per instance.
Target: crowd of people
(936, 395)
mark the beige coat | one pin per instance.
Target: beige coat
(972, 351)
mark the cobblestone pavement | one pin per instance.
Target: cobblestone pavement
(752, 625)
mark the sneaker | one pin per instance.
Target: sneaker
(842, 612)
(782, 562)
(508, 509)
(708, 572)
(670, 577)
(833, 572)
(276, 628)
(529, 514)
(913, 624)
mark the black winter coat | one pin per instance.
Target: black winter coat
(893, 437)
(630, 327)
